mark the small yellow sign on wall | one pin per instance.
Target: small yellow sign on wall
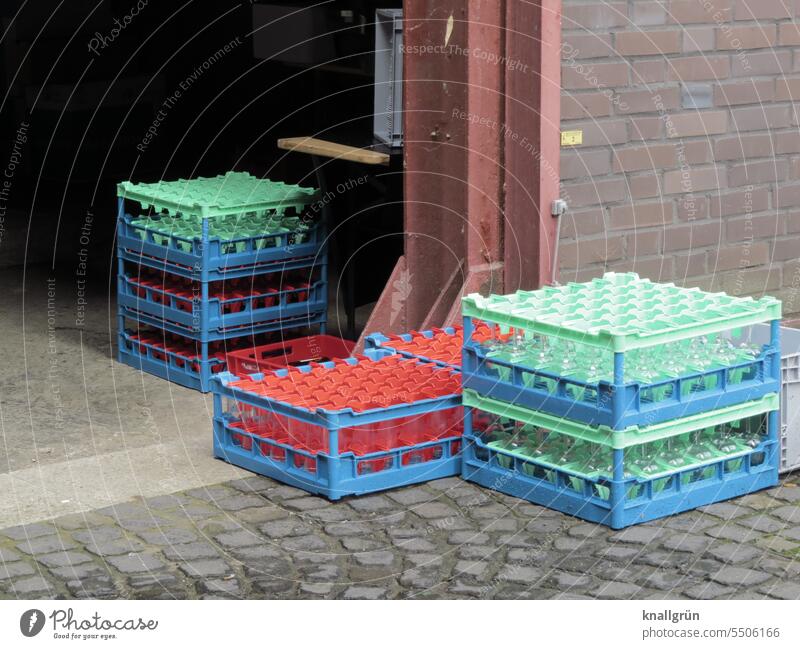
(571, 138)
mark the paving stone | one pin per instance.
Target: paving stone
(316, 558)
(167, 502)
(308, 543)
(365, 592)
(135, 562)
(726, 511)
(490, 511)
(434, 509)
(520, 574)
(641, 535)
(786, 492)
(256, 553)
(255, 483)
(274, 587)
(329, 572)
(412, 496)
(568, 544)
(190, 551)
(522, 540)
(619, 553)
(31, 531)
(615, 573)
(112, 548)
(62, 559)
(708, 590)
(693, 543)
(616, 590)
(420, 579)
(375, 558)
(734, 576)
(414, 545)
(693, 521)
(282, 528)
(425, 559)
(206, 568)
(733, 532)
(479, 552)
(664, 581)
(585, 531)
(15, 569)
(256, 515)
(659, 559)
(84, 520)
(500, 525)
(468, 589)
(777, 544)
(307, 503)
(788, 513)
(229, 587)
(526, 555)
(31, 587)
(238, 539)
(371, 504)
(316, 589)
(786, 590)
(544, 525)
(360, 544)
(398, 533)
(758, 501)
(566, 580)
(793, 533)
(80, 571)
(762, 523)
(212, 494)
(734, 553)
(168, 536)
(475, 569)
(218, 525)
(93, 587)
(45, 545)
(7, 555)
(446, 484)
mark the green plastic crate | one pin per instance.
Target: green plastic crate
(621, 312)
(628, 437)
(227, 195)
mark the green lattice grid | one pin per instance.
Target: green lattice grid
(631, 436)
(621, 311)
(233, 193)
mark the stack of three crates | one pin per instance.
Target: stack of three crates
(212, 264)
(621, 400)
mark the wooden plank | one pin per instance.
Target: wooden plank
(326, 149)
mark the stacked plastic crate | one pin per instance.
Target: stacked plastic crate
(210, 264)
(621, 400)
(343, 427)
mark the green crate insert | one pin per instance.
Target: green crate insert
(232, 194)
(632, 436)
(621, 312)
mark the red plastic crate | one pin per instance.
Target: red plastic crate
(300, 351)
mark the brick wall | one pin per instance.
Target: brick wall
(689, 169)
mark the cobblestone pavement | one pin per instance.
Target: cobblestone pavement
(254, 538)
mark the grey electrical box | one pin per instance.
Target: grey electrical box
(388, 110)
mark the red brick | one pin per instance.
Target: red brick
(646, 128)
(761, 226)
(643, 244)
(699, 68)
(787, 89)
(787, 196)
(759, 118)
(644, 186)
(583, 105)
(783, 249)
(762, 63)
(746, 91)
(648, 101)
(693, 123)
(601, 132)
(586, 46)
(786, 142)
(657, 269)
(648, 71)
(648, 13)
(745, 255)
(654, 156)
(584, 76)
(789, 34)
(746, 38)
(763, 9)
(692, 208)
(691, 265)
(646, 43)
(757, 173)
(697, 152)
(577, 163)
(595, 16)
(743, 147)
(793, 222)
(593, 193)
(740, 201)
(693, 236)
(698, 39)
(640, 215)
(574, 254)
(755, 281)
(582, 223)
(684, 12)
(794, 169)
(693, 179)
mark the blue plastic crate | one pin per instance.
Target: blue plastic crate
(332, 474)
(624, 404)
(624, 502)
(207, 259)
(379, 340)
(212, 318)
(169, 365)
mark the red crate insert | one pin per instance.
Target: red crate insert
(300, 351)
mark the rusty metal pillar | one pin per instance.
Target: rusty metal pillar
(481, 102)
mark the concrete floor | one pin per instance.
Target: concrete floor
(79, 430)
